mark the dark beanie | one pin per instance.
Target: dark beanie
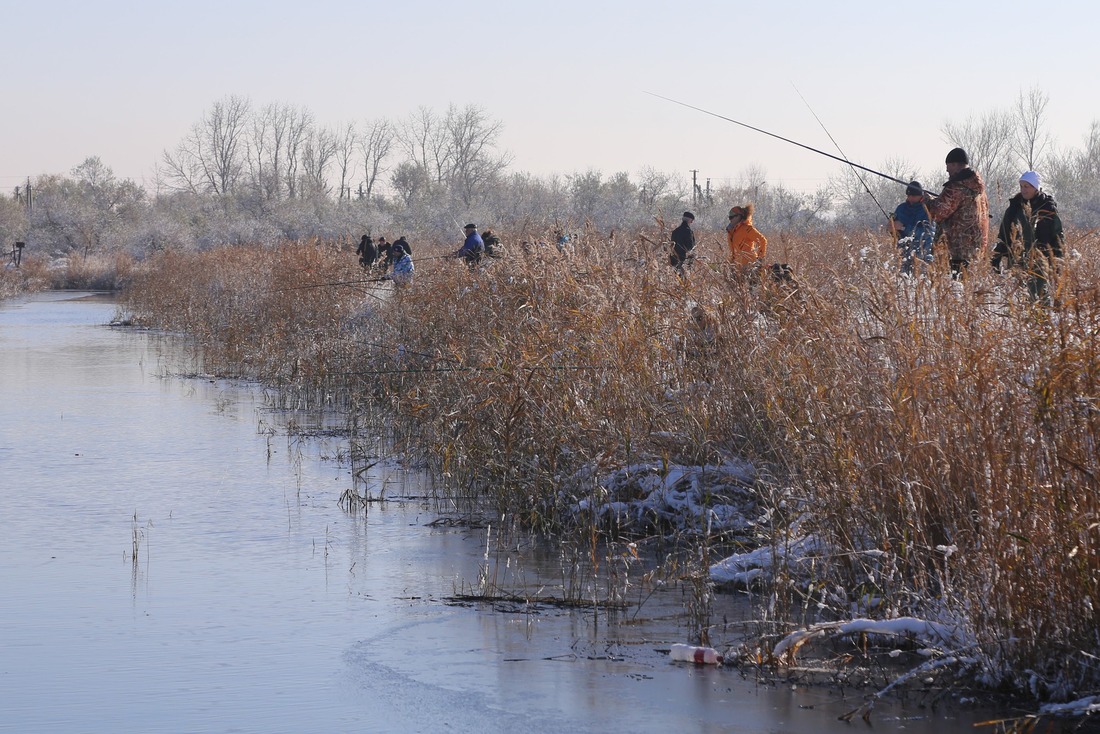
(689, 215)
(914, 189)
(958, 155)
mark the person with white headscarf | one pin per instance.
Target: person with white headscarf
(1031, 234)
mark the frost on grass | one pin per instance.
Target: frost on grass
(717, 498)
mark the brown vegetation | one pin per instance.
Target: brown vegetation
(952, 428)
(36, 273)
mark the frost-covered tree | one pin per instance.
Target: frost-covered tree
(211, 157)
(422, 139)
(90, 212)
(988, 141)
(318, 153)
(13, 222)
(1031, 139)
(377, 144)
(410, 180)
(347, 143)
(1074, 178)
(473, 161)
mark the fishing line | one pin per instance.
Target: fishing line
(785, 140)
(841, 151)
(475, 368)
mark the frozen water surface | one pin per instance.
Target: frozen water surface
(255, 604)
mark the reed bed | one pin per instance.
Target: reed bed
(939, 439)
(32, 275)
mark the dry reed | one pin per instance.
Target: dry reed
(940, 437)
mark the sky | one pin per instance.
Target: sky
(572, 82)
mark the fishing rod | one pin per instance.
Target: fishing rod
(328, 285)
(472, 368)
(841, 151)
(785, 140)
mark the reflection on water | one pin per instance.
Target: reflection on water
(170, 565)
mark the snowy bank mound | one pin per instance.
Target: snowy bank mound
(745, 569)
(923, 631)
(641, 497)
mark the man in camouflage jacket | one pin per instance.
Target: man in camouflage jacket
(961, 211)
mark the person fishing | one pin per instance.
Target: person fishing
(962, 210)
(683, 244)
(747, 245)
(1030, 236)
(403, 268)
(472, 247)
(913, 228)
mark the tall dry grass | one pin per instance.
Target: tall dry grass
(31, 275)
(38, 273)
(950, 428)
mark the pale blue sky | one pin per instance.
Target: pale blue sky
(125, 80)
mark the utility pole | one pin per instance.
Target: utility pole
(694, 187)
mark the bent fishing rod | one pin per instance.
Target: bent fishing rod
(785, 140)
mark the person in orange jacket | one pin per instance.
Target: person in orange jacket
(747, 245)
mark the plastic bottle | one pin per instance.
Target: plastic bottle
(697, 655)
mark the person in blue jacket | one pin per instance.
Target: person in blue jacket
(914, 228)
(473, 247)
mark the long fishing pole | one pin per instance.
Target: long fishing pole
(841, 151)
(334, 283)
(785, 140)
(328, 285)
(471, 368)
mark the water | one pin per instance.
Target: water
(255, 604)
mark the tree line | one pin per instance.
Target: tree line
(262, 174)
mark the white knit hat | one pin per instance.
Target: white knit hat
(1031, 177)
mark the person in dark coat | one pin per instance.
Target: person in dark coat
(404, 245)
(384, 253)
(367, 252)
(493, 246)
(683, 242)
(1031, 235)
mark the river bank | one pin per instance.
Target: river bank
(889, 425)
(177, 559)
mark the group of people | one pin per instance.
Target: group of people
(383, 255)
(957, 219)
(1030, 235)
(747, 245)
(380, 255)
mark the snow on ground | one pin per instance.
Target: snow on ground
(931, 633)
(715, 498)
(1081, 707)
(744, 569)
